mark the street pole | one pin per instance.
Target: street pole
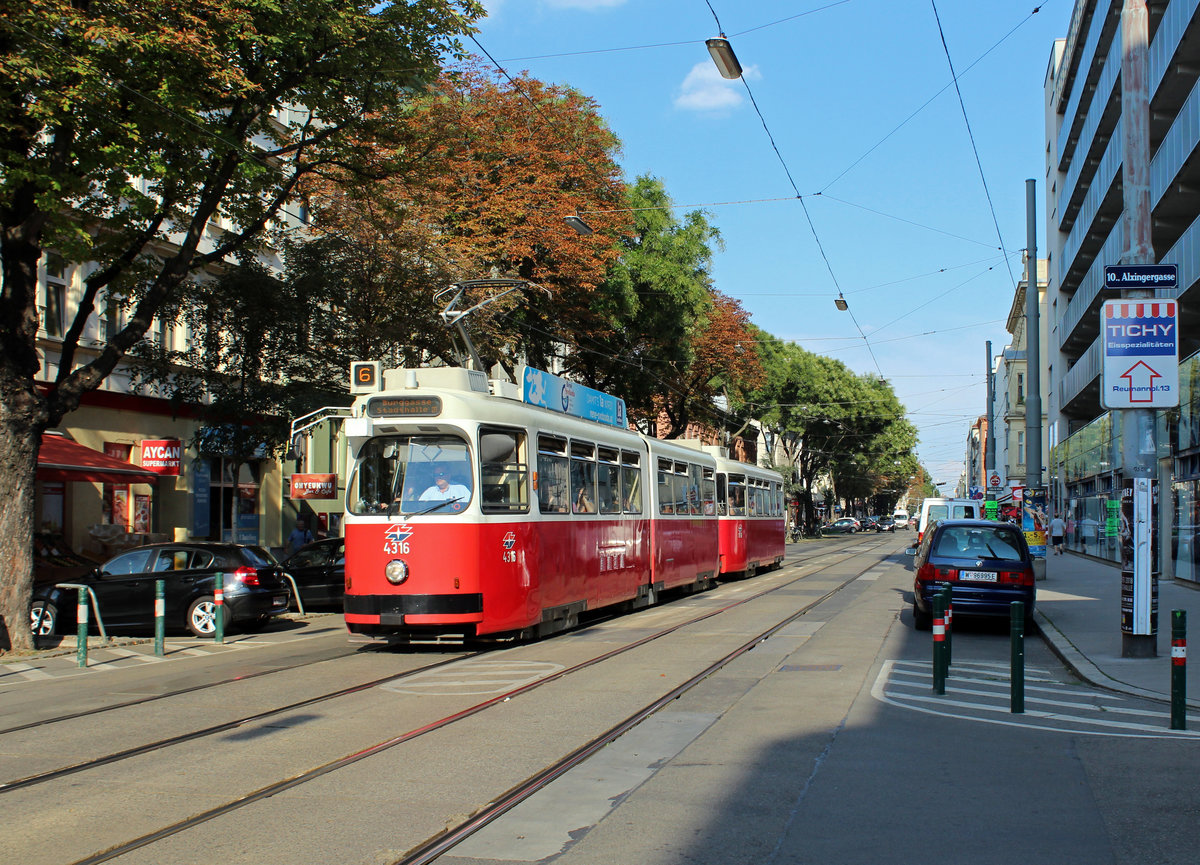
(1033, 347)
(1035, 504)
(1139, 451)
(989, 448)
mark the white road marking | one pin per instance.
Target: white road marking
(895, 683)
(475, 677)
(27, 671)
(130, 653)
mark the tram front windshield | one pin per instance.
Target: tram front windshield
(412, 474)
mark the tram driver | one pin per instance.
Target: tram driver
(443, 490)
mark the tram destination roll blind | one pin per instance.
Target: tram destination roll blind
(404, 406)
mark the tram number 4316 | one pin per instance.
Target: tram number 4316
(396, 548)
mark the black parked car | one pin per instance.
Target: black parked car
(319, 570)
(124, 589)
(885, 524)
(986, 564)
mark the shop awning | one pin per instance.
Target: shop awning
(61, 459)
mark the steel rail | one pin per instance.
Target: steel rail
(277, 787)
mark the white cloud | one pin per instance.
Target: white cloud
(705, 90)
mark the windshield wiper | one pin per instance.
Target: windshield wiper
(435, 507)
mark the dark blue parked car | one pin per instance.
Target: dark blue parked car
(986, 564)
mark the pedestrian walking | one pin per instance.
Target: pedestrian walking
(299, 536)
(1057, 530)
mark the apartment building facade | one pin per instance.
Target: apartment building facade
(1085, 232)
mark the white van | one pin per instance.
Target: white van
(900, 518)
(934, 509)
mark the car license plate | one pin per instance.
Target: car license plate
(279, 600)
(979, 576)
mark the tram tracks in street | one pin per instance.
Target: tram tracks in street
(166, 695)
(447, 839)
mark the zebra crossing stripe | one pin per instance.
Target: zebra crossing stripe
(130, 653)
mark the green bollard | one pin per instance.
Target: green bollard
(160, 617)
(939, 641)
(81, 627)
(1179, 669)
(1017, 666)
(219, 608)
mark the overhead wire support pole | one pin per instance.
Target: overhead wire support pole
(1139, 448)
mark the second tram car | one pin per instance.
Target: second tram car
(471, 512)
(750, 517)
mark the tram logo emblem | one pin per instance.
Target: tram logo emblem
(398, 533)
(510, 540)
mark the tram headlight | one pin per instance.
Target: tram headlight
(396, 571)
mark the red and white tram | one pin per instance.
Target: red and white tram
(471, 512)
(750, 511)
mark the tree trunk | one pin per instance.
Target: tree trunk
(23, 418)
(19, 444)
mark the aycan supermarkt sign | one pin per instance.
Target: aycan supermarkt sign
(162, 456)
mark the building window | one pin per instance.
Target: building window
(1020, 388)
(56, 295)
(1020, 448)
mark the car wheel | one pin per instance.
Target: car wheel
(202, 617)
(43, 619)
(923, 621)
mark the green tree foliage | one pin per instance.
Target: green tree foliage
(245, 370)
(825, 421)
(153, 140)
(882, 439)
(656, 331)
(497, 164)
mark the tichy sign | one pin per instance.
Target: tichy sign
(162, 456)
(314, 486)
(1141, 353)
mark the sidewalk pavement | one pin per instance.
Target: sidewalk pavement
(1079, 613)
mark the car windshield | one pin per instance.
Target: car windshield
(998, 542)
(411, 474)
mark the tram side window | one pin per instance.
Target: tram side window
(666, 487)
(778, 490)
(631, 482)
(682, 494)
(695, 489)
(737, 495)
(708, 492)
(503, 471)
(552, 482)
(583, 478)
(608, 481)
(722, 495)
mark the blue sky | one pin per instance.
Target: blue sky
(859, 99)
